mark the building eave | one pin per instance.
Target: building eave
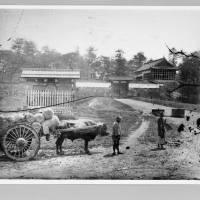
(63, 74)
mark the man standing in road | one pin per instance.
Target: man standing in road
(116, 135)
(161, 132)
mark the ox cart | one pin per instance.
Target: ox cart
(20, 140)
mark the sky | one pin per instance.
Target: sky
(66, 30)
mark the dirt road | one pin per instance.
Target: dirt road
(140, 161)
(144, 106)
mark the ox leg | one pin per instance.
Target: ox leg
(57, 146)
(59, 143)
(86, 147)
(57, 149)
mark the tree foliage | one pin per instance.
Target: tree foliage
(91, 55)
(190, 74)
(24, 53)
(119, 64)
(25, 47)
(138, 60)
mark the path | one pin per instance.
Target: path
(132, 139)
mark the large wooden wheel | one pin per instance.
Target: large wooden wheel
(21, 142)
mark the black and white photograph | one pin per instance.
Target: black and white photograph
(99, 93)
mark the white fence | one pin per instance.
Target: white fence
(42, 98)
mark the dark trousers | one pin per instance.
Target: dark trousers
(116, 139)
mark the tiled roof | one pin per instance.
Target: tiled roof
(158, 64)
(50, 73)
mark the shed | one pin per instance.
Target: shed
(46, 87)
(42, 78)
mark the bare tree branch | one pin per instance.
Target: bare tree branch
(182, 53)
(182, 84)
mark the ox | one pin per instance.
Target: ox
(86, 130)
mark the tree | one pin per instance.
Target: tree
(91, 55)
(120, 64)
(190, 78)
(26, 51)
(45, 50)
(71, 60)
(105, 67)
(92, 63)
(17, 45)
(10, 63)
(136, 62)
(29, 48)
(25, 47)
(102, 67)
(49, 58)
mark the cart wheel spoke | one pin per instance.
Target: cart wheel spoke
(26, 133)
(9, 145)
(17, 132)
(13, 134)
(11, 141)
(29, 137)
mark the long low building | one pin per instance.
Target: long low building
(92, 84)
(144, 85)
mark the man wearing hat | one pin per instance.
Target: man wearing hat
(116, 135)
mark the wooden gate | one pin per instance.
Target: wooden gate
(41, 98)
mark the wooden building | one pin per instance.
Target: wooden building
(58, 79)
(159, 70)
(120, 85)
(46, 87)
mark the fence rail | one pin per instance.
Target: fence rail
(41, 98)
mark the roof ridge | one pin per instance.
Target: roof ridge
(48, 69)
(151, 61)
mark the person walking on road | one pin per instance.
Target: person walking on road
(116, 133)
(161, 132)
